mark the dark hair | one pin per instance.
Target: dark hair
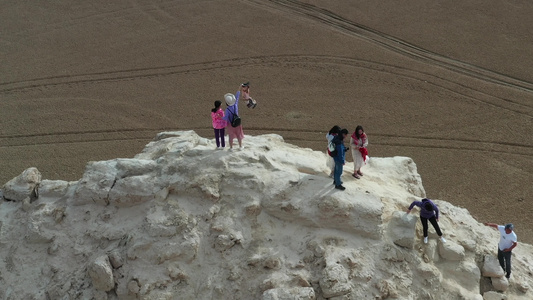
(335, 130)
(217, 106)
(344, 130)
(428, 206)
(357, 131)
(246, 84)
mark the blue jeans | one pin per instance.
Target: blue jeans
(337, 173)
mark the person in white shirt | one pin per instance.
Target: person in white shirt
(508, 242)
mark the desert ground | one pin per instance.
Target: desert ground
(448, 84)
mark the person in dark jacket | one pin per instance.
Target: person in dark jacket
(333, 132)
(339, 158)
(428, 211)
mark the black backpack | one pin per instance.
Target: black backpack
(235, 120)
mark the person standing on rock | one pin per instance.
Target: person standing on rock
(428, 212)
(358, 144)
(217, 116)
(334, 131)
(508, 242)
(234, 132)
(339, 158)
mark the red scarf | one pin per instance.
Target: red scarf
(364, 151)
(363, 138)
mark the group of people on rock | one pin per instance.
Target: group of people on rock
(223, 119)
(429, 211)
(337, 152)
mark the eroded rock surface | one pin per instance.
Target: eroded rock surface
(183, 221)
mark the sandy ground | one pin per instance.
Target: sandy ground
(448, 84)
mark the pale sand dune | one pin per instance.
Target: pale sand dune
(450, 87)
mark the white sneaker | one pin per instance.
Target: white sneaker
(242, 147)
(426, 240)
(442, 239)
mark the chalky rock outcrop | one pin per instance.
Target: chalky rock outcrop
(182, 220)
(24, 186)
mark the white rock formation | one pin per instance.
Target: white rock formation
(491, 295)
(101, 274)
(491, 267)
(26, 185)
(183, 221)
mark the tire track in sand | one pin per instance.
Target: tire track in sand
(333, 21)
(451, 85)
(397, 45)
(74, 137)
(291, 135)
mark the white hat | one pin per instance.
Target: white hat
(230, 99)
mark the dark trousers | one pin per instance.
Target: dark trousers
(337, 173)
(219, 137)
(505, 261)
(435, 224)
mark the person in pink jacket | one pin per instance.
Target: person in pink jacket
(219, 124)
